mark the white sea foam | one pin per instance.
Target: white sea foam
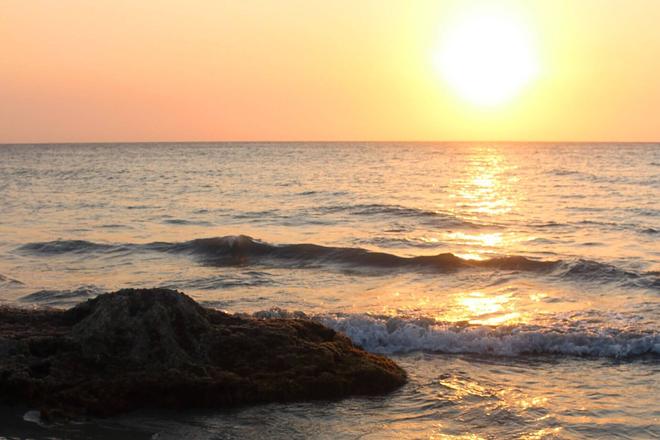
(392, 335)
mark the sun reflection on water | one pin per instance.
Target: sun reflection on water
(493, 399)
(456, 437)
(484, 190)
(478, 308)
(476, 303)
(486, 193)
(470, 256)
(490, 239)
(542, 434)
(462, 388)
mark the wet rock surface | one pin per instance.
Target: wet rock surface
(139, 348)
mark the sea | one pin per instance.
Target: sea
(518, 284)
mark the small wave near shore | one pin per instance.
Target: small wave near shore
(400, 335)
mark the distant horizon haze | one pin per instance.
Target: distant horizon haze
(338, 141)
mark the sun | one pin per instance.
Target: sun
(487, 58)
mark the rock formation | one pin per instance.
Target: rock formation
(139, 348)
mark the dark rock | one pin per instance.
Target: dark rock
(159, 348)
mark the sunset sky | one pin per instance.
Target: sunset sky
(126, 70)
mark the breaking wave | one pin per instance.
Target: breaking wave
(398, 335)
(241, 250)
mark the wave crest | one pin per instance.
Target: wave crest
(398, 335)
(237, 250)
(62, 297)
(64, 246)
(438, 218)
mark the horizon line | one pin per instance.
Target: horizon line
(330, 142)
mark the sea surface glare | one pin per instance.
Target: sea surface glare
(518, 284)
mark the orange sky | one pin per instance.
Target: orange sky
(126, 70)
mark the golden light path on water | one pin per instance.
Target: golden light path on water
(483, 191)
(487, 193)
(486, 188)
(480, 308)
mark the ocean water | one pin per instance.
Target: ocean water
(518, 284)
